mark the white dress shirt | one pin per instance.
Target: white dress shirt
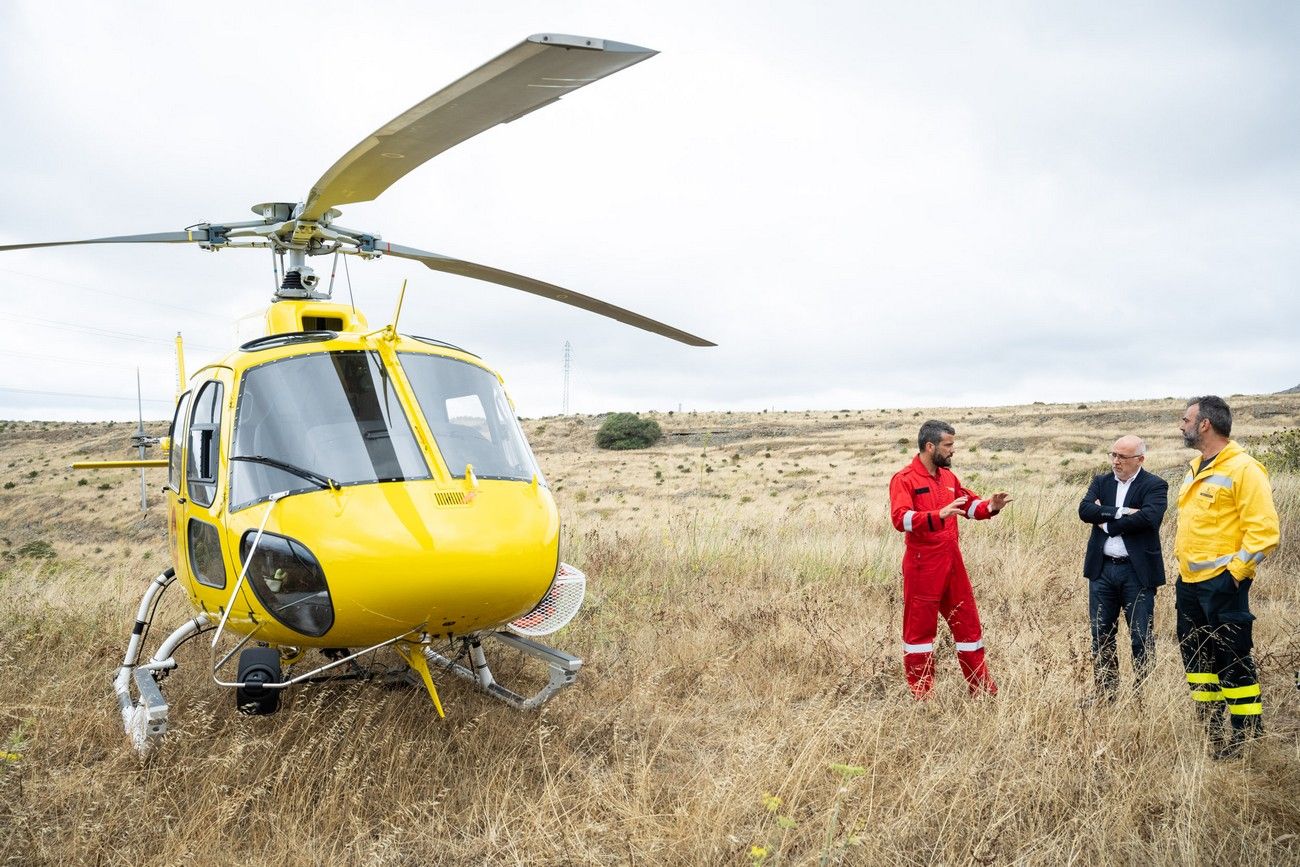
(1115, 546)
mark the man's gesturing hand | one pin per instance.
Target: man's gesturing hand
(998, 501)
(953, 508)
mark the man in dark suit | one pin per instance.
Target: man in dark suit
(1123, 565)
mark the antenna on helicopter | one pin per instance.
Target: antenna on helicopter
(401, 296)
(180, 365)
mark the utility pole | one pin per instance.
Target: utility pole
(140, 439)
(568, 359)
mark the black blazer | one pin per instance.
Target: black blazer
(1149, 494)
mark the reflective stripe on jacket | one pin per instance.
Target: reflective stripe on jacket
(1226, 517)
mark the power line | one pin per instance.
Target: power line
(98, 291)
(100, 332)
(87, 362)
(86, 396)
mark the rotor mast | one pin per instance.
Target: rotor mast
(286, 232)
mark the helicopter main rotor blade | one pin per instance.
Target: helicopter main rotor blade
(196, 236)
(537, 287)
(535, 72)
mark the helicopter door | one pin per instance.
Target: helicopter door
(197, 524)
(176, 460)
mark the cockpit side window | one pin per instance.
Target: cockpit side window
(177, 435)
(203, 443)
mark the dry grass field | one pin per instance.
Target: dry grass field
(742, 688)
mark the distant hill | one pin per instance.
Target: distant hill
(1295, 389)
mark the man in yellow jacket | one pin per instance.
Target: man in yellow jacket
(1226, 525)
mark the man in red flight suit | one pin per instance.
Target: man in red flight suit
(925, 499)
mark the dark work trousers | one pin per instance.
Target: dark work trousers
(1118, 588)
(1214, 635)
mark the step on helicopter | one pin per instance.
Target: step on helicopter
(340, 489)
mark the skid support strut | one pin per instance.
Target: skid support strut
(563, 668)
(145, 718)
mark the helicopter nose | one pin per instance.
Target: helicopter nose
(399, 557)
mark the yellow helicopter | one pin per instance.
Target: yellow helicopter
(337, 487)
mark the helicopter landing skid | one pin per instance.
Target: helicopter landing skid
(563, 668)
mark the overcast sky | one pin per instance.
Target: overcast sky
(864, 204)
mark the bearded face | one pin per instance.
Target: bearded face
(943, 449)
(1191, 427)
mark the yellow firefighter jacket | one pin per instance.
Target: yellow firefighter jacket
(1225, 517)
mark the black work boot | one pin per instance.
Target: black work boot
(1243, 729)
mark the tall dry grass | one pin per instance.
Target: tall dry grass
(741, 638)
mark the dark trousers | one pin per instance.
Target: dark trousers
(1214, 636)
(1117, 589)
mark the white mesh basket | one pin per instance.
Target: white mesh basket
(557, 607)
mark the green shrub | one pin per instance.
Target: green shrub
(38, 549)
(623, 430)
(1279, 451)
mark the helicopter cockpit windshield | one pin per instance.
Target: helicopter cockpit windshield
(333, 414)
(470, 417)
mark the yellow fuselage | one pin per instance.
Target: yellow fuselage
(448, 554)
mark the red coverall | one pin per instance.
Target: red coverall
(934, 577)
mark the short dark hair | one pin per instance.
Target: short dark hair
(931, 432)
(1216, 411)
